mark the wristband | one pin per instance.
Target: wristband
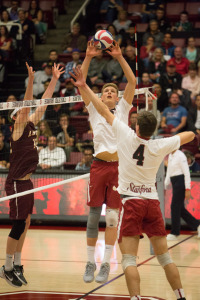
(187, 189)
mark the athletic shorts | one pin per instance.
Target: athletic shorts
(139, 216)
(20, 207)
(103, 184)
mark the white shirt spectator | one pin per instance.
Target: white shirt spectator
(53, 158)
(178, 165)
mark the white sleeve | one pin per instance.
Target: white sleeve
(41, 156)
(122, 110)
(167, 179)
(170, 144)
(186, 171)
(60, 159)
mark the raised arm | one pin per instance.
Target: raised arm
(186, 137)
(87, 92)
(91, 52)
(129, 92)
(23, 114)
(37, 115)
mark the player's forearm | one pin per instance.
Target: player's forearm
(127, 70)
(85, 65)
(29, 90)
(186, 137)
(50, 90)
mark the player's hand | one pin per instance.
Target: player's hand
(187, 194)
(78, 76)
(30, 71)
(92, 50)
(57, 71)
(115, 50)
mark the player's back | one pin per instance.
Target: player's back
(139, 160)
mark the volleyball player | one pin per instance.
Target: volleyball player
(104, 170)
(139, 160)
(23, 162)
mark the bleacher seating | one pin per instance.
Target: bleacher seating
(81, 124)
(134, 12)
(75, 157)
(193, 9)
(179, 42)
(173, 10)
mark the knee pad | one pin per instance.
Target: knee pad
(17, 229)
(111, 217)
(164, 259)
(128, 260)
(93, 222)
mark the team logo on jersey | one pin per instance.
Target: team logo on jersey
(139, 188)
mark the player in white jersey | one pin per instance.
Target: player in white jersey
(139, 160)
(104, 170)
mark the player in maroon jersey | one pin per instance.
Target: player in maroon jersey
(23, 162)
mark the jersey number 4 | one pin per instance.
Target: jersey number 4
(139, 155)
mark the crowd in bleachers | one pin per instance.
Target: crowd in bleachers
(168, 63)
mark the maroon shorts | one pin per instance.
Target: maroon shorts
(20, 207)
(102, 184)
(139, 216)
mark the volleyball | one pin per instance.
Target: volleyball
(103, 39)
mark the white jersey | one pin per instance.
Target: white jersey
(139, 160)
(104, 138)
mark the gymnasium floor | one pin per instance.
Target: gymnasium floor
(54, 262)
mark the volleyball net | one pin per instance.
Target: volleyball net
(61, 180)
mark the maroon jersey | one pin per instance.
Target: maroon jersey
(23, 154)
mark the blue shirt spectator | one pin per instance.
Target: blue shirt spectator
(110, 8)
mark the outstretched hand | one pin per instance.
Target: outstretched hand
(30, 71)
(114, 50)
(78, 76)
(92, 50)
(57, 71)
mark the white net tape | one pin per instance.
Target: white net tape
(61, 100)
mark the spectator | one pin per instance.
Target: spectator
(145, 81)
(191, 82)
(147, 51)
(183, 24)
(40, 78)
(112, 72)
(170, 79)
(131, 60)
(162, 97)
(133, 119)
(116, 36)
(155, 32)
(95, 88)
(157, 65)
(76, 108)
(72, 64)
(65, 135)
(109, 10)
(191, 52)
(174, 118)
(149, 10)
(86, 161)
(193, 165)
(5, 43)
(24, 45)
(46, 84)
(5, 18)
(98, 63)
(43, 133)
(150, 109)
(128, 38)
(74, 39)
(163, 22)
(167, 45)
(4, 153)
(122, 23)
(35, 14)
(13, 10)
(181, 63)
(4, 128)
(53, 113)
(51, 156)
(193, 121)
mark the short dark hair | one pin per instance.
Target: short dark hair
(147, 123)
